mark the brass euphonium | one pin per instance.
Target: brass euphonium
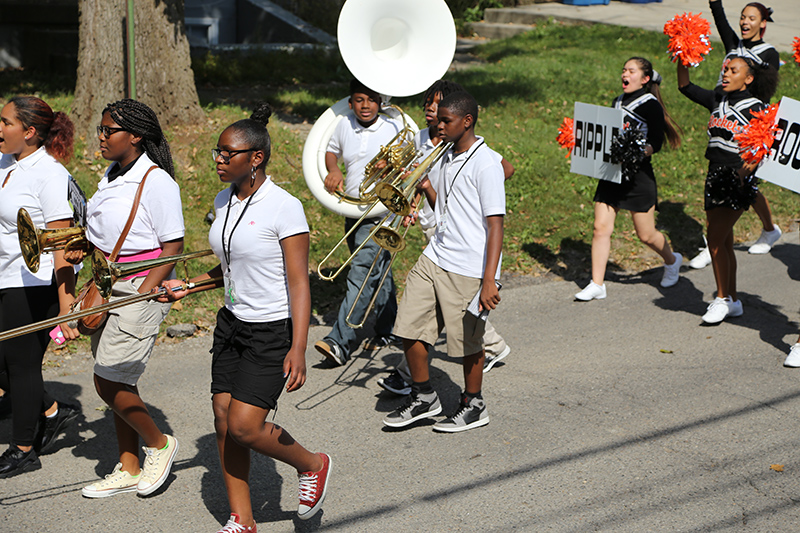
(401, 200)
(33, 242)
(106, 272)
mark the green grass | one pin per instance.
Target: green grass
(526, 87)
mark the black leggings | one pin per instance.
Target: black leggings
(21, 357)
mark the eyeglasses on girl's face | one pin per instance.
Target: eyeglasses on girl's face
(107, 131)
(226, 155)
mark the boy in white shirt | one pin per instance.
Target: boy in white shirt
(356, 140)
(461, 261)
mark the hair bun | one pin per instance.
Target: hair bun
(262, 113)
(656, 77)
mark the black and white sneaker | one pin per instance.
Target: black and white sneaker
(381, 341)
(332, 352)
(470, 415)
(490, 360)
(416, 408)
(51, 428)
(395, 383)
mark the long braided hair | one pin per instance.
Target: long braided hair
(53, 130)
(139, 119)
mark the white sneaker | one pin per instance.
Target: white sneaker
(793, 359)
(117, 482)
(593, 291)
(157, 464)
(672, 272)
(722, 308)
(490, 360)
(764, 243)
(701, 260)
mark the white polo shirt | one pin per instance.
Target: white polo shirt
(356, 145)
(471, 187)
(40, 184)
(159, 217)
(422, 140)
(256, 258)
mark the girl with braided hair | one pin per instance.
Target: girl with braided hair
(131, 138)
(261, 237)
(32, 141)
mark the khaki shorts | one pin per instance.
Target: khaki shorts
(436, 299)
(122, 347)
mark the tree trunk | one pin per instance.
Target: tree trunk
(164, 78)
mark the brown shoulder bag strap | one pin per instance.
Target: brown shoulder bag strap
(129, 223)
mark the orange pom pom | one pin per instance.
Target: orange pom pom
(688, 38)
(566, 135)
(755, 140)
(796, 49)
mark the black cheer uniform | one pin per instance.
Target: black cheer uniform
(730, 112)
(639, 194)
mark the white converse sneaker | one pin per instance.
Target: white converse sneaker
(157, 463)
(793, 359)
(672, 272)
(117, 482)
(593, 291)
(765, 241)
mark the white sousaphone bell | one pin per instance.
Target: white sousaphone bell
(395, 47)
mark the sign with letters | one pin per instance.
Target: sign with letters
(594, 127)
(782, 166)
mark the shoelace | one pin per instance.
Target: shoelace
(308, 487)
(412, 402)
(150, 460)
(233, 527)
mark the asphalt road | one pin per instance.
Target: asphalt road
(618, 415)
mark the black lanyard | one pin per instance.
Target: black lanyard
(226, 252)
(446, 193)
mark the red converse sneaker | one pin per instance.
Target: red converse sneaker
(313, 486)
(234, 526)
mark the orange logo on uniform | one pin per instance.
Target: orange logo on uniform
(724, 123)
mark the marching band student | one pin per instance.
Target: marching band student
(261, 237)
(461, 263)
(641, 101)
(32, 140)
(131, 138)
(745, 88)
(356, 140)
(752, 24)
(426, 140)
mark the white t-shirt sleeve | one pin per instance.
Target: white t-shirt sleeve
(491, 189)
(292, 220)
(54, 198)
(335, 142)
(162, 201)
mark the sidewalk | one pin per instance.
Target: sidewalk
(653, 16)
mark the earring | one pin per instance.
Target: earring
(253, 176)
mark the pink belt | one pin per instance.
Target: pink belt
(141, 256)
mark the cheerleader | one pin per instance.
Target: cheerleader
(32, 140)
(644, 109)
(261, 237)
(131, 138)
(752, 25)
(730, 188)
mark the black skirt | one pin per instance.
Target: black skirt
(638, 195)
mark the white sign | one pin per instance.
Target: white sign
(782, 166)
(594, 127)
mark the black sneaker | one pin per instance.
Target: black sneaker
(414, 409)
(470, 415)
(395, 383)
(332, 352)
(51, 428)
(381, 341)
(14, 461)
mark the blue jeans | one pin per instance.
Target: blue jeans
(386, 303)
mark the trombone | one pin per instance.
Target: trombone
(398, 199)
(105, 273)
(33, 242)
(71, 318)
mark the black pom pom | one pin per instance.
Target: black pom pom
(627, 149)
(724, 188)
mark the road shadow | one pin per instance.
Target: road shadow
(573, 262)
(684, 232)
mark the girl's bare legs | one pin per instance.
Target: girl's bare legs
(720, 243)
(604, 217)
(645, 225)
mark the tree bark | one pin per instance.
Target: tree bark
(164, 78)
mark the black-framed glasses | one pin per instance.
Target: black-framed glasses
(107, 131)
(227, 154)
